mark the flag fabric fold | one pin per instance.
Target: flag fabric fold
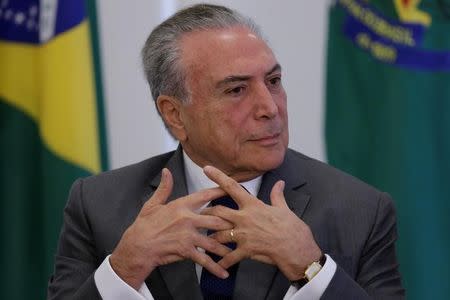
(388, 122)
(51, 131)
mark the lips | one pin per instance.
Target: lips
(271, 136)
(267, 140)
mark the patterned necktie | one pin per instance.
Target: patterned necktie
(213, 287)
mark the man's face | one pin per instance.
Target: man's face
(236, 119)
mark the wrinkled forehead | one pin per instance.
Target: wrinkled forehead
(225, 50)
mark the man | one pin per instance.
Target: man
(302, 230)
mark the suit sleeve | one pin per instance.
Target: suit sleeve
(378, 276)
(75, 259)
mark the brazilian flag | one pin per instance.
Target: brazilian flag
(388, 122)
(51, 130)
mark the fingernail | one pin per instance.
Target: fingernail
(225, 275)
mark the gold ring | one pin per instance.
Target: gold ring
(232, 235)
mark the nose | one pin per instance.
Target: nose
(266, 106)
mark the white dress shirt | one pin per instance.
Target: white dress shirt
(112, 287)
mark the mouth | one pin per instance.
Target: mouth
(267, 140)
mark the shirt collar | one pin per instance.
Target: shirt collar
(197, 180)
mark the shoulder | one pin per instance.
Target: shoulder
(117, 190)
(318, 173)
(135, 174)
(335, 189)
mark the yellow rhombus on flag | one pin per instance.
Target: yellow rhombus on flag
(50, 132)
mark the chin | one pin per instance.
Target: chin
(270, 160)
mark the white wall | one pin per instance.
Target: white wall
(296, 31)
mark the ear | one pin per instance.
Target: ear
(170, 110)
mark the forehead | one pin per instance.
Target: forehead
(220, 52)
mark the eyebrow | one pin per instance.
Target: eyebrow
(237, 78)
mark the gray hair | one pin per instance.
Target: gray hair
(161, 52)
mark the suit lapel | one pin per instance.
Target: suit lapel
(175, 165)
(180, 277)
(256, 280)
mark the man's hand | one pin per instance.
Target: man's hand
(270, 234)
(164, 233)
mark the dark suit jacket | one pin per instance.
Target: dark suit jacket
(351, 221)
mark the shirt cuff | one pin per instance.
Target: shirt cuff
(112, 287)
(317, 286)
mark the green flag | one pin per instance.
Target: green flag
(388, 122)
(51, 131)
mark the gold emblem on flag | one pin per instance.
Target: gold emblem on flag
(409, 12)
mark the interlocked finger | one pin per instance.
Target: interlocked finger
(229, 185)
(223, 212)
(211, 245)
(232, 258)
(232, 235)
(211, 222)
(196, 200)
(208, 263)
(225, 236)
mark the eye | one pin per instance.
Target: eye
(275, 81)
(236, 91)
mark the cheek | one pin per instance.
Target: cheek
(232, 120)
(198, 126)
(282, 100)
(213, 128)
(229, 130)
(282, 106)
(228, 123)
(282, 110)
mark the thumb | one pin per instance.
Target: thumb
(277, 196)
(164, 188)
